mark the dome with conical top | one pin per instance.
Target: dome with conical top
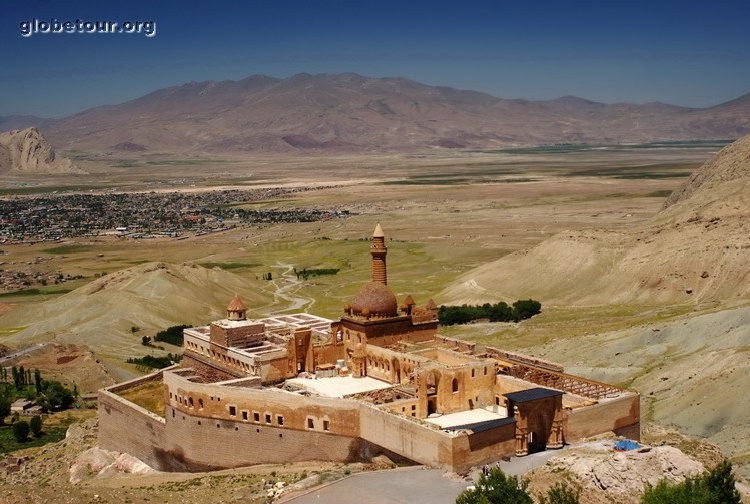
(377, 299)
(236, 304)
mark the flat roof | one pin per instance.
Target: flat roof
(532, 394)
(340, 386)
(463, 419)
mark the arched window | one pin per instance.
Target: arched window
(455, 385)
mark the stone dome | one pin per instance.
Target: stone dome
(376, 298)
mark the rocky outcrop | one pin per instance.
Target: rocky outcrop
(604, 475)
(104, 463)
(27, 151)
(731, 164)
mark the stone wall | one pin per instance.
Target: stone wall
(481, 447)
(126, 427)
(620, 415)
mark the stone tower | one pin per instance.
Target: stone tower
(378, 250)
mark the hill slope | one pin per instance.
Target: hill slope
(151, 296)
(697, 248)
(351, 113)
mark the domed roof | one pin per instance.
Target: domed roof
(377, 298)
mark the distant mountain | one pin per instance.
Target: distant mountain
(13, 122)
(27, 151)
(351, 113)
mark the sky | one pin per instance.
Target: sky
(685, 53)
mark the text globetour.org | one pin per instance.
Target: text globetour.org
(28, 28)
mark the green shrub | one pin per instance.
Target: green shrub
(496, 488)
(21, 430)
(498, 312)
(713, 487)
(35, 424)
(561, 494)
(4, 408)
(172, 335)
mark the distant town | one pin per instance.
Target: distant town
(144, 215)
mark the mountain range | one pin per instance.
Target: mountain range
(352, 113)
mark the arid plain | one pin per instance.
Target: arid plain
(446, 214)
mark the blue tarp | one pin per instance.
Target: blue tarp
(626, 445)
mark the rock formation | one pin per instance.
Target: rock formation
(27, 151)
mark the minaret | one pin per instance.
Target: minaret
(379, 251)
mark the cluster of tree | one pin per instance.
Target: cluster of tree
(172, 335)
(22, 428)
(712, 487)
(305, 273)
(499, 488)
(151, 361)
(49, 394)
(498, 312)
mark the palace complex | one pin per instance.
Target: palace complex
(378, 380)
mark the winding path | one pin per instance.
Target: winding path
(287, 287)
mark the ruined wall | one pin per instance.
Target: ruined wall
(618, 415)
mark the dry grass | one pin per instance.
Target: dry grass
(149, 395)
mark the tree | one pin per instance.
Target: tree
(721, 484)
(21, 430)
(4, 408)
(55, 396)
(146, 340)
(713, 487)
(496, 488)
(38, 380)
(16, 378)
(561, 493)
(35, 424)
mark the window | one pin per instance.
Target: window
(485, 370)
(310, 423)
(200, 403)
(244, 415)
(190, 402)
(232, 411)
(256, 416)
(455, 385)
(413, 407)
(280, 419)
(326, 425)
(472, 373)
(268, 418)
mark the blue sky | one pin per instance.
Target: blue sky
(686, 53)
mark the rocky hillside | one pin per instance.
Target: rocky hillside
(27, 151)
(697, 249)
(731, 164)
(351, 113)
